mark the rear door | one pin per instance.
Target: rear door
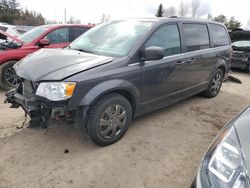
(199, 60)
(163, 79)
(221, 43)
(76, 31)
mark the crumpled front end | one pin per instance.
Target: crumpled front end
(240, 59)
(43, 112)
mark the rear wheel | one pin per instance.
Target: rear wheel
(109, 119)
(9, 79)
(214, 85)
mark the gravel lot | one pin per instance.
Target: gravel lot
(162, 149)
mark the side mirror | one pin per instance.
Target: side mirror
(44, 42)
(152, 53)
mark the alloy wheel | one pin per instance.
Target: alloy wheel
(11, 77)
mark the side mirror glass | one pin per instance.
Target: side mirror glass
(44, 42)
(152, 53)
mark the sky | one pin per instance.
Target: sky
(90, 11)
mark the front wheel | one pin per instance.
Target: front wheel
(9, 79)
(214, 85)
(109, 119)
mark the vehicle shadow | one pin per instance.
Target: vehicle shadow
(2, 91)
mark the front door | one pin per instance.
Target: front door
(58, 38)
(163, 79)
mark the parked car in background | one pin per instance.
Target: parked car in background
(120, 70)
(10, 29)
(23, 28)
(241, 49)
(227, 161)
(47, 36)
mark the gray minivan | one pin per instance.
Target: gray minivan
(120, 70)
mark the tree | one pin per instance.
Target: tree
(194, 7)
(209, 16)
(183, 9)
(171, 11)
(221, 18)
(233, 24)
(13, 4)
(72, 20)
(105, 18)
(160, 11)
(12, 13)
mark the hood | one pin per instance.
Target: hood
(57, 64)
(4, 36)
(242, 125)
(239, 35)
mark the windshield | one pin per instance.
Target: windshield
(243, 43)
(32, 34)
(111, 39)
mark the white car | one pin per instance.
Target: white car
(10, 29)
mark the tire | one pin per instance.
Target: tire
(214, 84)
(115, 112)
(9, 78)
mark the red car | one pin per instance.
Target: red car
(47, 36)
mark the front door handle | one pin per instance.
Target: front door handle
(180, 62)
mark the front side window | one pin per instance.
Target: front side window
(112, 39)
(168, 38)
(219, 35)
(58, 36)
(196, 36)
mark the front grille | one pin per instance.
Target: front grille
(239, 54)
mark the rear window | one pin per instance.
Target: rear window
(196, 36)
(3, 28)
(219, 35)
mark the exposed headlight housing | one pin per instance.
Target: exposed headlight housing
(56, 91)
(224, 166)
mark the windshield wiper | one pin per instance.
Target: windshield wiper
(83, 50)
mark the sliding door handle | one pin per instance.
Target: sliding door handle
(191, 60)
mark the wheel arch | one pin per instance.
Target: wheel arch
(122, 87)
(2, 66)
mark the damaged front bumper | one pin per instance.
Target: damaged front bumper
(43, 113)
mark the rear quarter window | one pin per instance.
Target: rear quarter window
(196, 36)
(219, 35)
